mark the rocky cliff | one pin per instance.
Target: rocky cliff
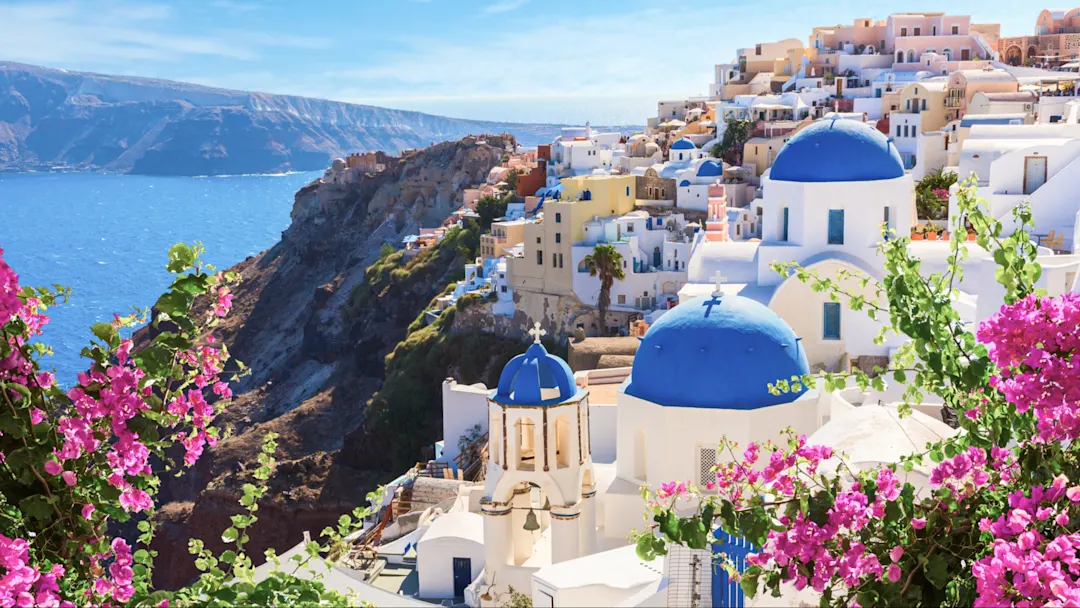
(315, 319)
(56, 118)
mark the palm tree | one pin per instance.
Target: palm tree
(607, 263)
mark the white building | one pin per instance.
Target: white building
(655, 253)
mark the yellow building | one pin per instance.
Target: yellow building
(546, 265)
(503, 236)
(761, 151)
(926, 99)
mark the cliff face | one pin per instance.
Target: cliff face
(51, 118)
(315, 325)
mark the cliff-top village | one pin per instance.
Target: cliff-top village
(804, 150)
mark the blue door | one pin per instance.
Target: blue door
(725, 591)
(836, 227)
(831, 321)
(462, 575)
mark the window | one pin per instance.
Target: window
(628, 191)
(622, 299)
(836, 226)
(918, 31)
(554, 260)
(903, 31)
(933, 30)
(503, 288)
(706, 462)
(558, 237)
(539, 258)
(560, 260)
(629, 228)
(956, 30)
(537, 240)
(908, 105)
(888, 225)
(831, 321)
(924, 104)
(558, 218)
(784, 231)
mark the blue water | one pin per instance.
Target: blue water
(106, 237)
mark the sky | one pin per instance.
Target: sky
(555, 61)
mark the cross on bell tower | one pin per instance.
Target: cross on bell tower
(537, 333)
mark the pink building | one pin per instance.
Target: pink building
(909, 35)
(865, 35)
(716, 226)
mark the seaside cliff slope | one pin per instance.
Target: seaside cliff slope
(75, 120)
(315, 332)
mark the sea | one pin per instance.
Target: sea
(106, 236)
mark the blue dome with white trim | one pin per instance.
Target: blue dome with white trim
(837, 150)
(684, 183)
(717, 352)
(710, 168)
(536, 378)
(683, 144)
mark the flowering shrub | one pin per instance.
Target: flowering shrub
(1000, 521)
(76, 461)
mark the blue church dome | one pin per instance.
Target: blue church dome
(683, 144)
(536, 378)
(710, 168)
(837, 150)
(684, 183)
(717, 352)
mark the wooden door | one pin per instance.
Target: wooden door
(1034, 173)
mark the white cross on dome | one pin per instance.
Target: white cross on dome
(537, 333)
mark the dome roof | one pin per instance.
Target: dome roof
(710, 168)
(837, 150)
(719, 353)
(684, 183)
(535, 378)
(683, 144)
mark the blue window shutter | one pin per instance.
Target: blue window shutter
(836, 226)
(785, 234)
(831, 330)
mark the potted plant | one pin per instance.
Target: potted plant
(917, 233)
(931, 233)
(944, 235)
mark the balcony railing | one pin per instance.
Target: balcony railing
(953, 102)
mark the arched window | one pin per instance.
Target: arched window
(562, 442)
(495, 438)
(911, 56)
(525, 432)
(640, 456)
(948, 54)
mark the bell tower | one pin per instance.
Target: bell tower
(538, 506)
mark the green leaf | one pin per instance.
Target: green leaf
(181, 257)
(749, 583)
(937, 571)
(228, 557)
(644, 548)
(37, 506)
(103, 331)
(230, 535)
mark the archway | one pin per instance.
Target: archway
(562, 442)
(911, 56)
(899, 56)
(525, 444)
(1032, 53)
(1014, 55)
(948, 54)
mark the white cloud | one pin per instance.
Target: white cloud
(504, 6)
(603, 61)
(112, 32)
